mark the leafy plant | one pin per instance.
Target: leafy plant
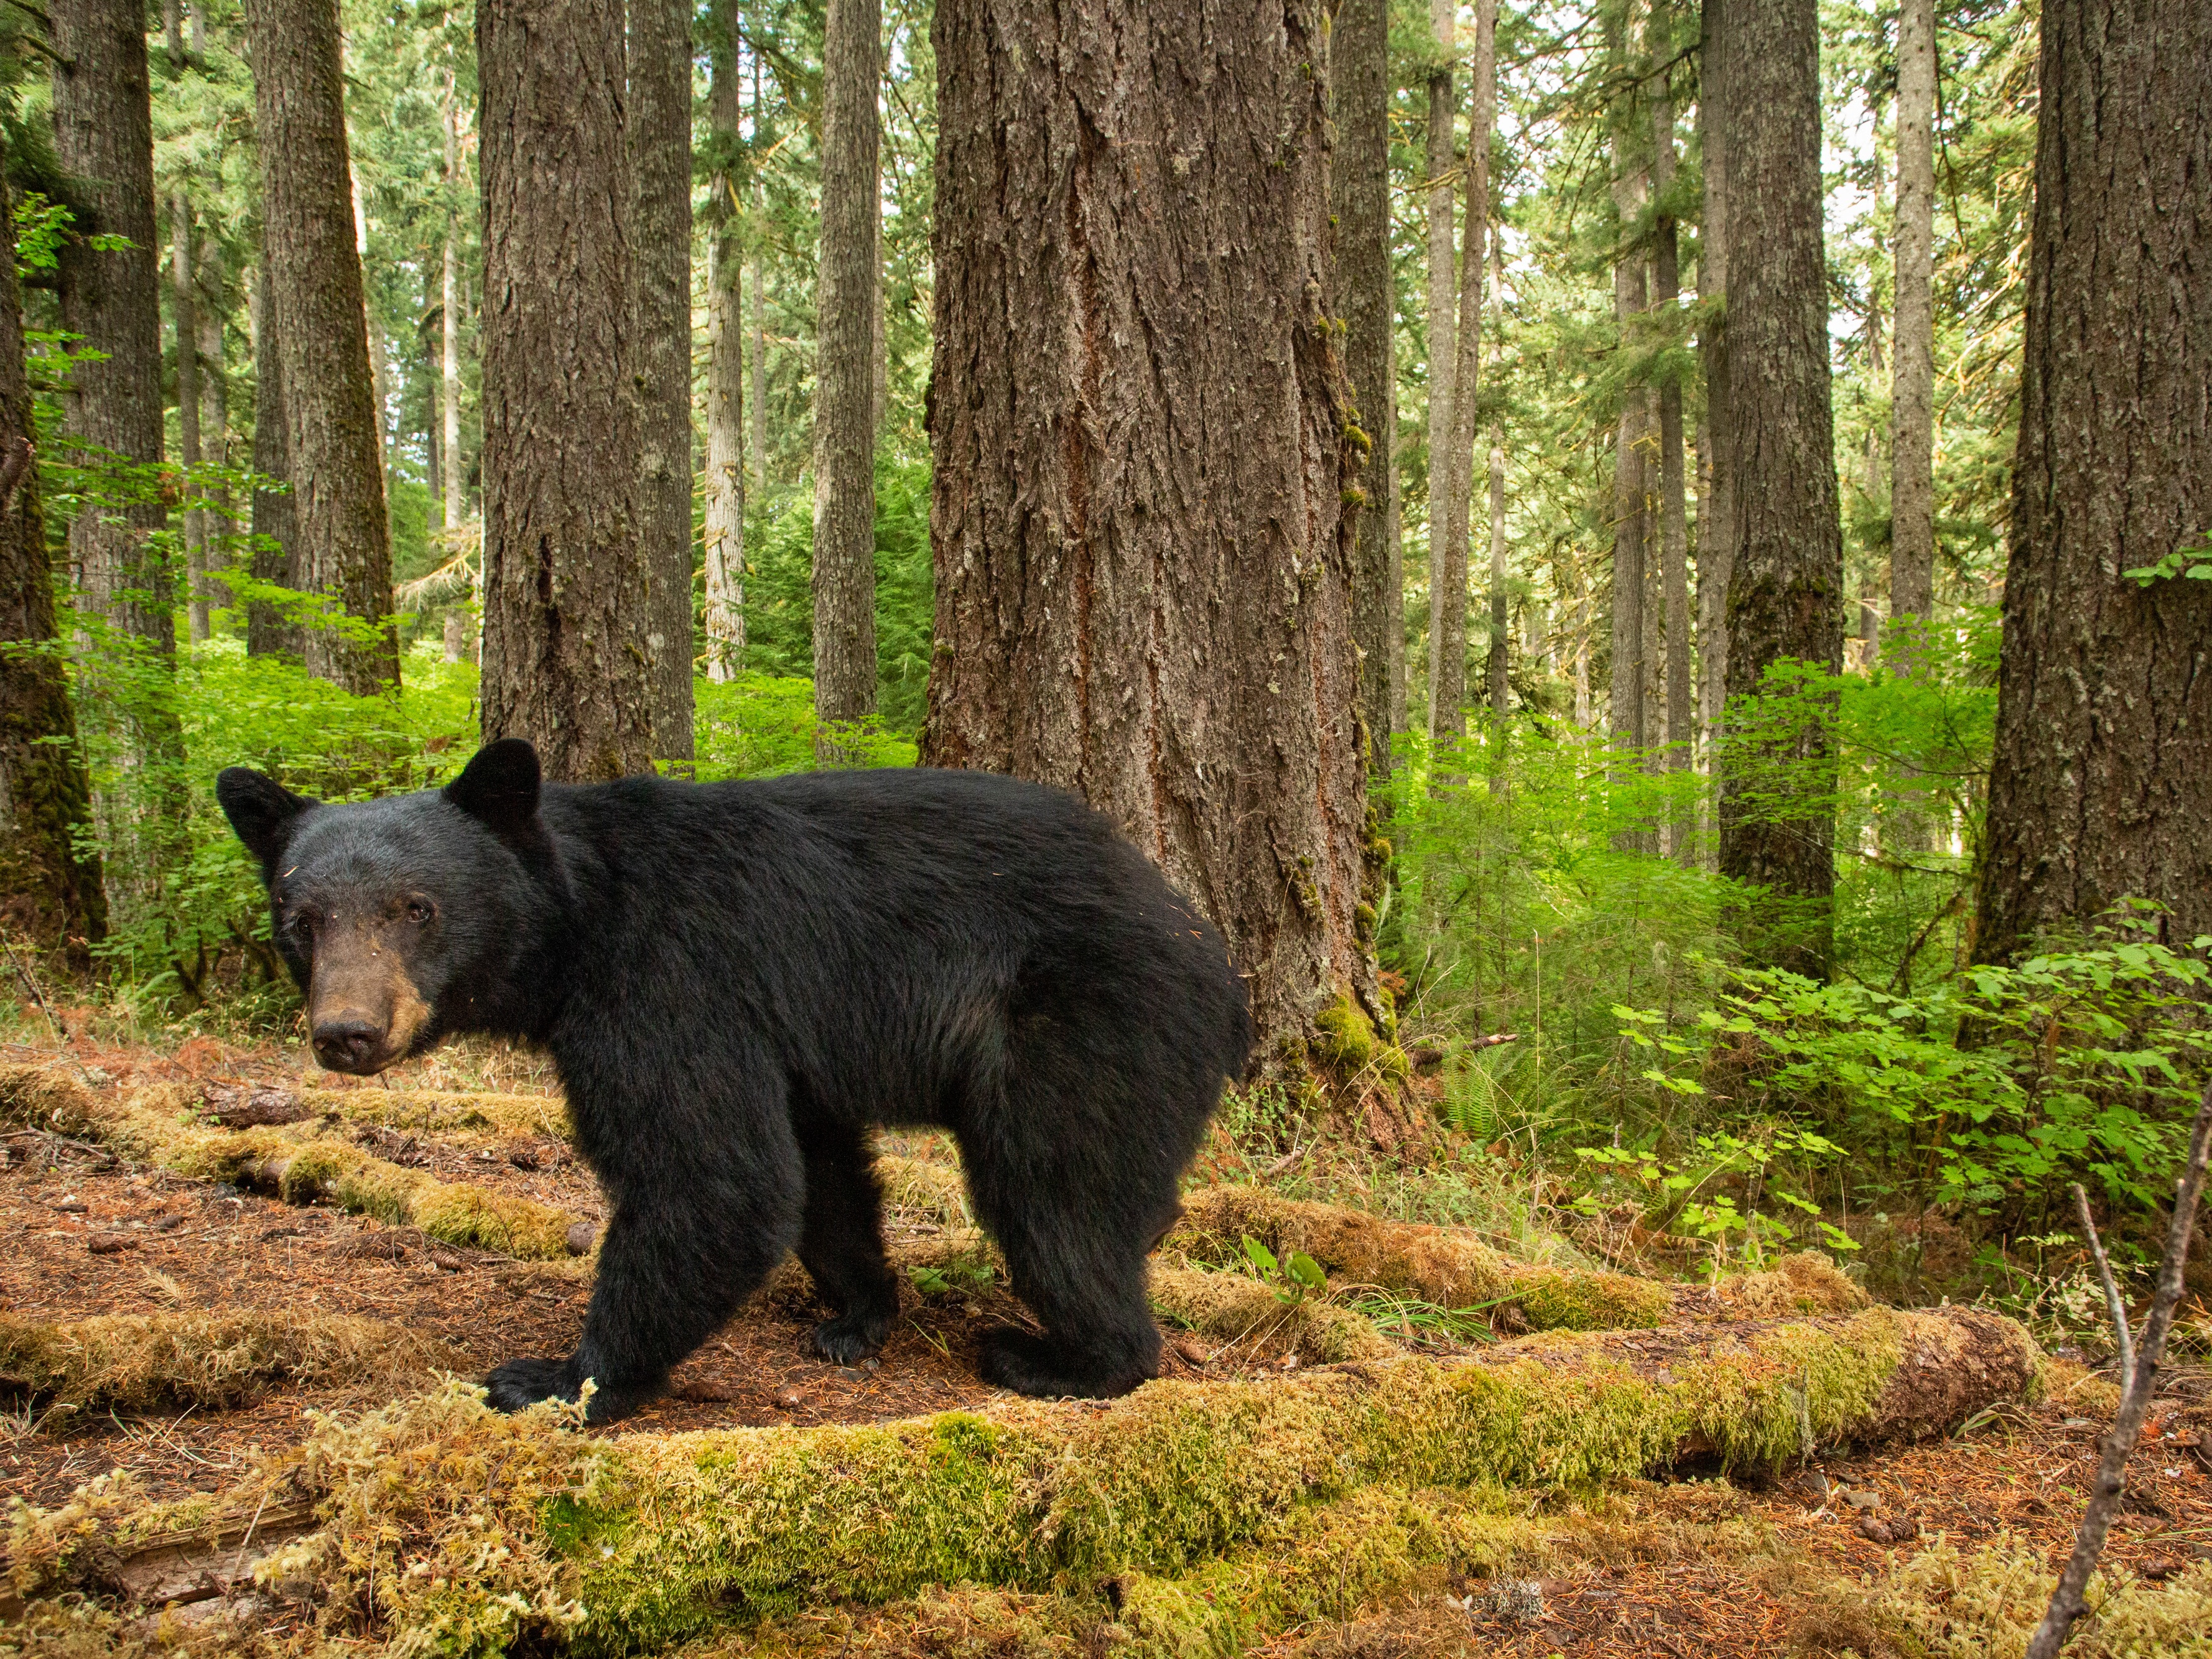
(1294, 1277)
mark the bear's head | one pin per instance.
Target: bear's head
(398, 917)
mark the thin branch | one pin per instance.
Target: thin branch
(2137, 1386)
(2115, 1308)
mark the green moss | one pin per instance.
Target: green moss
(481, 1531)
(1346, 1041)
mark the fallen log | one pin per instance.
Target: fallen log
(296, 1162)
(130, 1361)
(473, 1530)
(1445, 1266)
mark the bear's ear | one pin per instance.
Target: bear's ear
(499, 788)
(261, 810)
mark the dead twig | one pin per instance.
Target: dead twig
(2138, 1382)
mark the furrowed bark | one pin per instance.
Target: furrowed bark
(568, 599)
(111, 300)
(844, 413)
(658, 118)
(1140, 447)
(1444, 328)
(1365, 297)
(333, 426)
(54, 891)
(1785, 588)
(2100, 787)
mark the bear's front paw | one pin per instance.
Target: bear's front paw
(852, 1337)
(520, 1384)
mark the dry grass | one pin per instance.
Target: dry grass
(1805, 1283)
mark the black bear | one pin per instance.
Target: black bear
(737, 980)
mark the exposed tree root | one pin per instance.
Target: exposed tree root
(130, 1361)
(477, 1529)
(1442, 1265)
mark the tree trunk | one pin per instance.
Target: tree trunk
(1785, 589)
(1716, 509)
(379, 398)
(659, 112)
(725, 395)
(449, 324)
(2101, 786)
(1144, 583)
(111, 300)
(1366, 296)
(1912, 397)
(757, 423)
(1444, 355)
(567, 596)
(844, 400)
(1673, 524)
(1448, 574)
(1631, 723)
(333, 428)
(211, 311)
(1499, 662)
(185, 325)
(268, 631)
(53, 892)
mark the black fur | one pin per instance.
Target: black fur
(737, 980)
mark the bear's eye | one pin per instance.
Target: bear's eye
(420, 911)
(303, 921)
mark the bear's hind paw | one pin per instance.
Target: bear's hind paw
(1047, 1371)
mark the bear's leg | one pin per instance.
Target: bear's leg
(681, 1255)
(842, 1243)
(1082, 1272)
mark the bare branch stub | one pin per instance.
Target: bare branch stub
(2137, 1381)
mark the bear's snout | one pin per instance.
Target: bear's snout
(347, 1043)
(363, 1010)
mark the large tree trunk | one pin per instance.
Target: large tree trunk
(1497, 662)
(111, 300)
(53, 892)
(1912, 396)
(660, 155)
(1444, 356)
(567, 597)
(1785, 589)
(2101, 787)
(1143, 561)
(1366, 298)
(274, 560)
(184, 327)
(333, 428)
(844, 400)
(725, 392)
(1448, 572)
(1673, 524)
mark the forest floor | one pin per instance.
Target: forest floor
(1697, 1567)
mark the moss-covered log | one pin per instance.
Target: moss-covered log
(130, 1361)
(481, 1530)
(160, 1127)
(1445, 1266)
